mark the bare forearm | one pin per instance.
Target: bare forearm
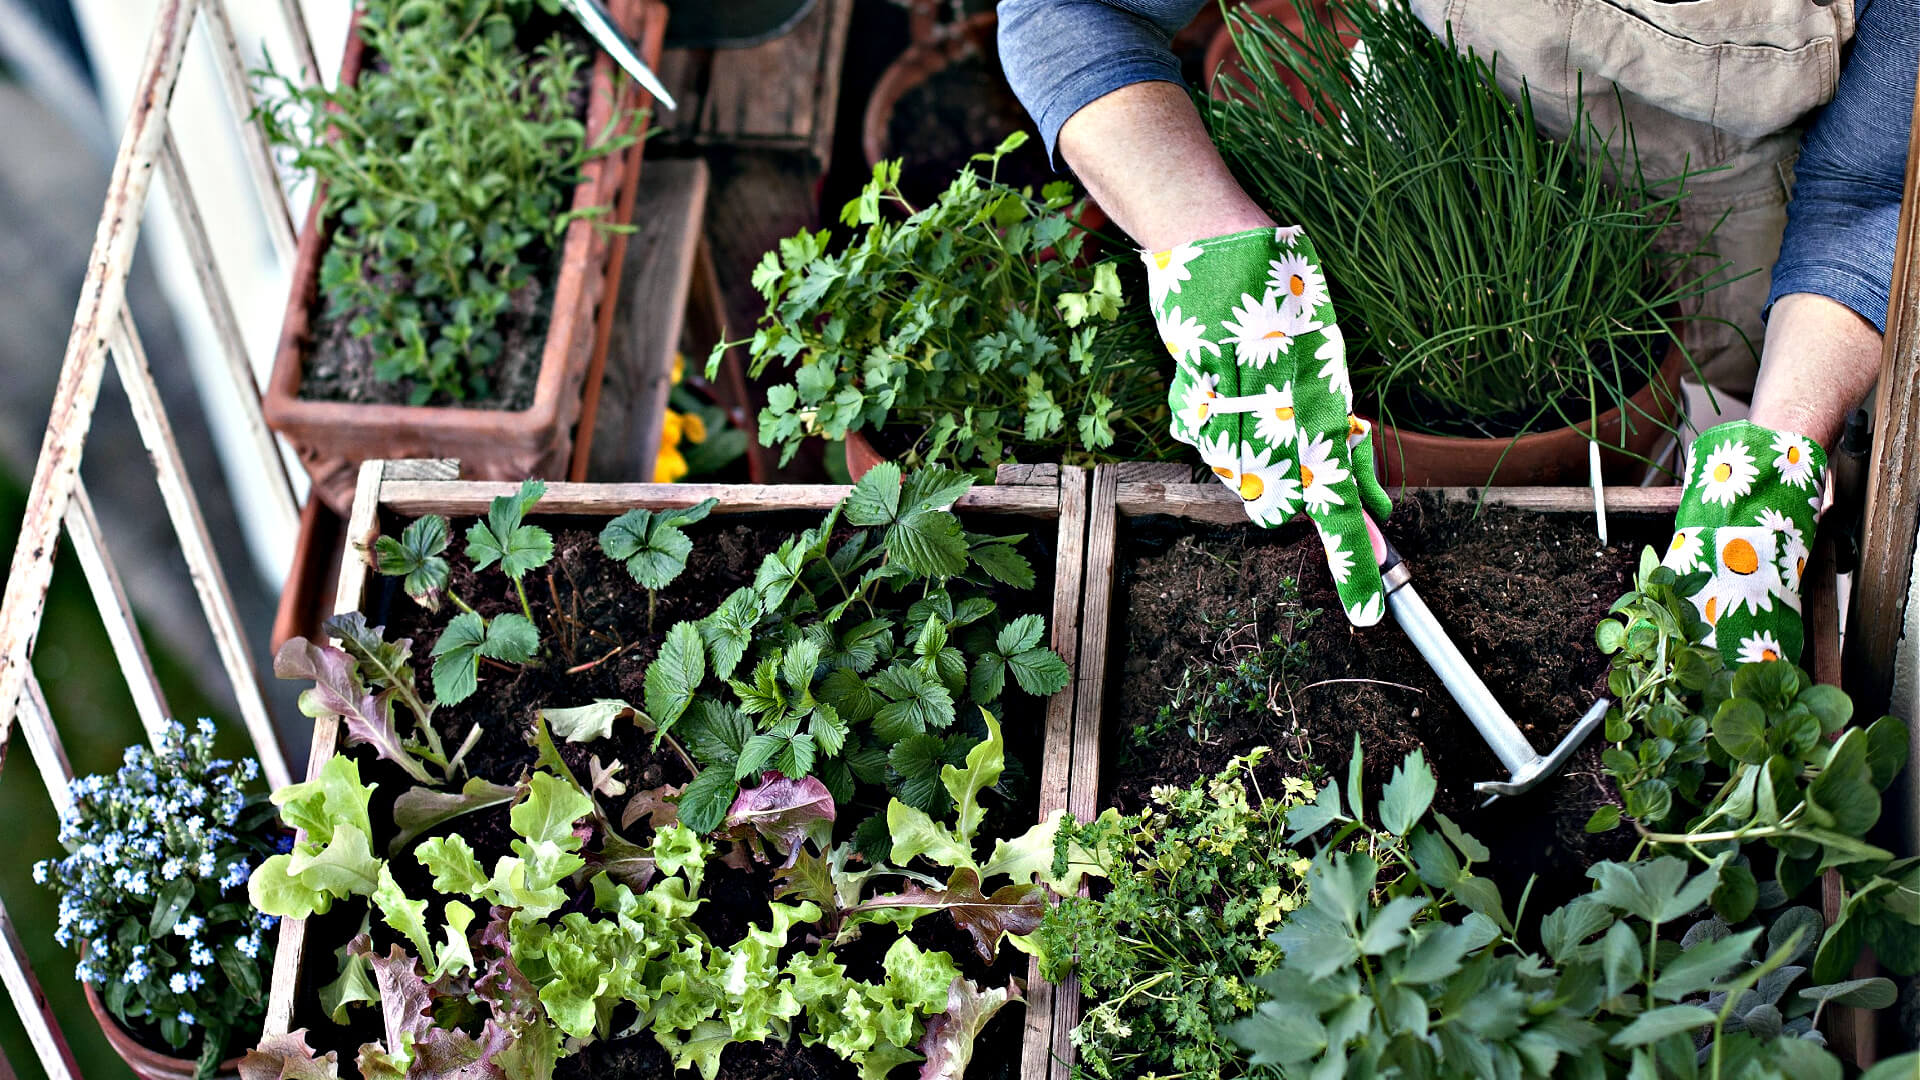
(1144, 156)
(1819, 362)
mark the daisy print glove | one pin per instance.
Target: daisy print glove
(1747, 517)
(1260, 386)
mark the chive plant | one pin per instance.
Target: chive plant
(1490, 280)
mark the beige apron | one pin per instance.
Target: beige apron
(1705, 84)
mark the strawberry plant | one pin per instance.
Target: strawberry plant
(858, 662)
(974, 326)
(503, 538)
(449, 167)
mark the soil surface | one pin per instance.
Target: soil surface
(963, 109)
(1520, 595)
(590, 612)
(339, 364)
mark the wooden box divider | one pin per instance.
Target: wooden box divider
(1134, 489)
(1053, 497)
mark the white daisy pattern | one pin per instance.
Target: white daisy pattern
(1300, 284)
(1367, 612)
(1777, 521)
(1339, 560)
(1793, 460)
(1221, 453)
(1727, 473)
(1167, 269)
(1270, 494)
(1185, 337)
(1275, 420)
(1319, 472)
(1746, 572)
(1759, 647)
(1333, 356)
(1262, 330)
(1683, 554)
(1289, 234)
(1793, 560)
(1197, 405)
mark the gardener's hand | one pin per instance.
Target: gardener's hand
(1747, 517)
(1261, 387)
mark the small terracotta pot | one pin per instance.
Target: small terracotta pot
(307, 594)
(939, 48)
(861, 455)
(1221, 67)
(1542, 458)
(334, 437)
(147, 1064)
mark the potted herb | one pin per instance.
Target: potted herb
(1396, 895)
(972, 333)
(685, 791)
(469, 162)
(1501, 294)
(173, 959)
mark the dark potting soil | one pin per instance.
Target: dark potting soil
(339, 364)
(963, 109)
(590, 612)
(1520, 594)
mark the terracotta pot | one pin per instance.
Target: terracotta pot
(333, 437)
(306, 597)
(1543, 458)
(147, 1064)
(861, 455)
(1221, 67)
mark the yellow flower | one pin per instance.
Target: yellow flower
(669, 466)
(679, 368)
(692, 428)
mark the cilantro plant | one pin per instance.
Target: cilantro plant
(857, 662)
(1756, 761)
(975, 326)
(449, 169)
(1194, 884)
(503, 538)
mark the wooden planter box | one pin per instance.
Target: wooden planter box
(389, 493)
(1131, 490)
(334, 437)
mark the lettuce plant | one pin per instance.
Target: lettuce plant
(334, 859)
(516, 969)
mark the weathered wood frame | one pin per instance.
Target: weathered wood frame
(1131, 490)
(407, 489)
(57, 505)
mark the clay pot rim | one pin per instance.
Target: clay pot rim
(287, 412)
(915, 64)
(135, 1053)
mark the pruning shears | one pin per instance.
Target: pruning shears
(600, 25)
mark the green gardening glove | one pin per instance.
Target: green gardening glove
(1261, 387)
(1747, 516)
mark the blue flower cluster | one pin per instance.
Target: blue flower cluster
(156, 854)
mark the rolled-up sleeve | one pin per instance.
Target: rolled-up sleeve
(1060, 55)
(1845, 211)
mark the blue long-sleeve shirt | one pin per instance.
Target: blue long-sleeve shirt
(1060, 55)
